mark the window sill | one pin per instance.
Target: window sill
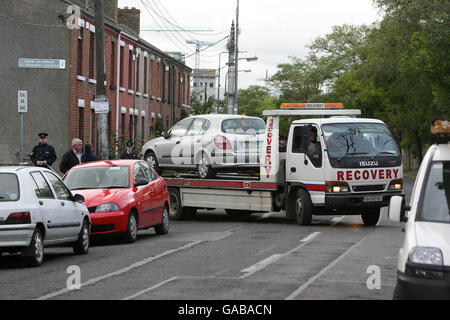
(81, 78)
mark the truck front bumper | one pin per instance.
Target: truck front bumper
(351, 202)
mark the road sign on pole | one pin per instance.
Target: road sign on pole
(22, 106)
(22, 101)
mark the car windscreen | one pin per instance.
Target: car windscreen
(346, 140)
(436, 198)
(9, 187)
(98, 178)
(244, 126)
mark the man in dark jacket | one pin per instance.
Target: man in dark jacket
(129, 153)
(43, 155)
(88, 155)
(72, 157)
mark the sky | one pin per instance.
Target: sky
(270, 30)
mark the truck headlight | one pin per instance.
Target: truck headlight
(396, 184)
(107, 207)
(336, 187)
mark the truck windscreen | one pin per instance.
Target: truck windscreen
(352, 145)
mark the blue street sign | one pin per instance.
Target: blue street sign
(42, 63)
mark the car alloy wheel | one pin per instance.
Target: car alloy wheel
(133, 226)
(38, 248)
(163, 228)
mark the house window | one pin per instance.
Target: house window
(138, 60)
(80, 52)
(113, 62)
(130, 128)
(145, 75)
(130, 70)
(163, 83)
(121, 66)
(93, 131)
(81, 123)
(123, 124)
(91, 55)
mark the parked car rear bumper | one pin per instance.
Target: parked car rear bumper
(16, 235)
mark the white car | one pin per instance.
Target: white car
(37, 210)
(424, 258)
(208, 143)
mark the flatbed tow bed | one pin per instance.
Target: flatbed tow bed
(291, 180)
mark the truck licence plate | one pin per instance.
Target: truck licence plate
(372, 198)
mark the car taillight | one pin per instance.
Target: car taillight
(222, 143)
(19, 218)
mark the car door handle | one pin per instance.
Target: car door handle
(179, 141)
(151, 191)
(41, 203)
(293, 170)
(63, 204)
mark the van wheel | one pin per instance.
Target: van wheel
(36, 249)
(163, 228)
(82, 244)
(303, 208)
(371, 217)
(204, 168)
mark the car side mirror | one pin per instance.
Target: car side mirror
(78, 198)
(165, 135)
(397, 209)
(141, 182)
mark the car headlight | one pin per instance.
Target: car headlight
(336, 187)
(425, 263)
(426, 255)
(107, 207)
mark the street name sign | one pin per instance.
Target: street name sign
(42, 63)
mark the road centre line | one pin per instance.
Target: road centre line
(323, 271)
(311, 236)
(136, 265)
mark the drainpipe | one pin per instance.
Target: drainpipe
(118, 66)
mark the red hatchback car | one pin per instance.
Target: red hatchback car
(123, 196)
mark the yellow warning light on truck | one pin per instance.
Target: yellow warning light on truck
(440, 126)
(312, 106)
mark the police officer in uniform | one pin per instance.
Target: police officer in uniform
(43, 155)
(129, 153)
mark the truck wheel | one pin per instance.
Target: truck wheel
(371, 217)
(175, 210)
(303, 208)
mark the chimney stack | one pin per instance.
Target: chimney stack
(130, 17)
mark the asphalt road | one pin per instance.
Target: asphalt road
(214, 256)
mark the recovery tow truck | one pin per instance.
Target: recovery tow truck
(333, 163)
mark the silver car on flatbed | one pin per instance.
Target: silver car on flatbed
(208, 144)
(38, 210)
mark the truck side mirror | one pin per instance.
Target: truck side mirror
(397, 209)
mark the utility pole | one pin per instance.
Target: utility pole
(236, 69)
(102, 125)
(231, 74)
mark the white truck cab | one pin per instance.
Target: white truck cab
(336, 165)
(424, 258)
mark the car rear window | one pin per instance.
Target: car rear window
(244, 126)
(9, 187)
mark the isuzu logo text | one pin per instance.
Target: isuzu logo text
(368, 163)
